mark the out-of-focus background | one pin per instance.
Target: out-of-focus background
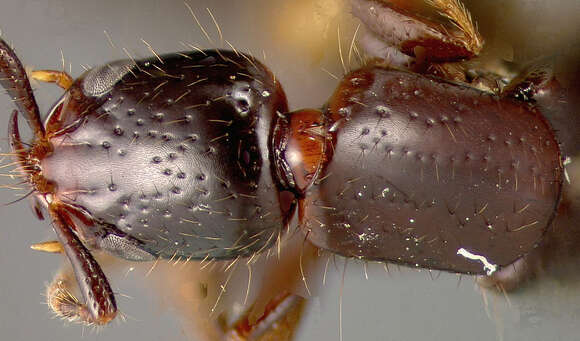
(298, 41)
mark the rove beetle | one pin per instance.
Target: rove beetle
(195, 154)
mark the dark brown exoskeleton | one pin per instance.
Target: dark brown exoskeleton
(463, 172)
(413, 160)
(154, 159)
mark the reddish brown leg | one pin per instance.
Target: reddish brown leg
(100, 307)
(432, 30)
(278, 308)
(424, 36)
(62, 301)
(279, 321)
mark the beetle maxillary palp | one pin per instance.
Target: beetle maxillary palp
(60, 78)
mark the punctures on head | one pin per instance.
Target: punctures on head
(172, 130)
(118, 131)
(158, 117)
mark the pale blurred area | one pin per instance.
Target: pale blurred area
(299, 41)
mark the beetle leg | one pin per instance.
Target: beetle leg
(14, 79)
(465, 32)
(100, 306)
(273, 293)
(277, 309)
(429, 31)
(62, 301)
(52, 246)
(281, 316)
(60, 78)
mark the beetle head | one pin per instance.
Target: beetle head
(14, 79)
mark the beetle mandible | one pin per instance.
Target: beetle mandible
(178, 96)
